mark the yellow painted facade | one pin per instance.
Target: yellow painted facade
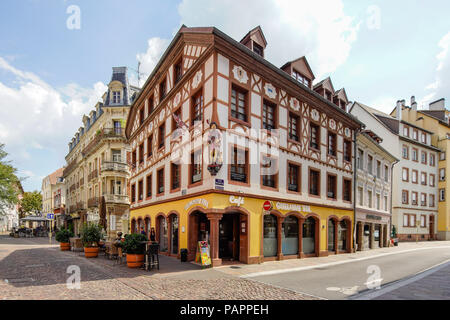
(254, 206)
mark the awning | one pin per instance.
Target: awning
(36, 219)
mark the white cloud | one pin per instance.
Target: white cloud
(149, 59)
(293, 28)
(440, 87)
(36, 116)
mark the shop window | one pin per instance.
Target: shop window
(270, 241)
(290, 238)
(331, 235)
(309, 236)
(342, 236)
(174, 234)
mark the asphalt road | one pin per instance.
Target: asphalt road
(345, 280)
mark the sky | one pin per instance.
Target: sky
(56, 56)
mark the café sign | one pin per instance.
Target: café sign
(292, 207)
(238, 201)
(199, 201)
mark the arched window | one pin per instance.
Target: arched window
(342, 235)
(309, 236)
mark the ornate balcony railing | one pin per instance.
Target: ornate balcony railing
(116, 198)
(92, 175)
(103, 134)
(114, 166)
(80, 205)
(69, 168)
(93, 202)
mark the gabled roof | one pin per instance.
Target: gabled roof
(325, 83)
(341, 94)
(302, 60)
(255, 31)
(55, 175)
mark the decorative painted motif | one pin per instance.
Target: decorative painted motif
(197, 79)
(240, 74)
(215, 152)
(315, 115)
(177, 99)
(295, 104)
(332, 124)
(270, 90)
(347, 132)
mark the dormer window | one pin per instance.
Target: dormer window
(328, 95)
(116, 96)
(297, 76)
(258, 49)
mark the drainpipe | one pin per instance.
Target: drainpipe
(392, 180)
(355, 173)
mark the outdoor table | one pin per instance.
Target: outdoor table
(146, 253)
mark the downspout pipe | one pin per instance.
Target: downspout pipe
(355, 174)
(392, 184)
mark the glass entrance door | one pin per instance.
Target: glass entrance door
(162, 234)
(270, 241)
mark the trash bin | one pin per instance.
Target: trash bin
(183, 255)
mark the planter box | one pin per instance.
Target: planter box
(64, 246)
(91, 252)
(135, 260)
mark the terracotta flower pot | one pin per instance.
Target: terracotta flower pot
(91, 252)
(64, 246)
(135, 260)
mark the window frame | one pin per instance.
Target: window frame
(318, 136)
(334, 186)
(310, 181)
(240, 90)
(264, 114)
(158, 182)
(193, 114)
(246, 166)
(299, 177)
(191, 183)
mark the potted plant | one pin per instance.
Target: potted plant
(394, 235)
(90, 236)
(134, 247)
(63, 237)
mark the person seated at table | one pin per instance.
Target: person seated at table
(118, 239)
(153, 235)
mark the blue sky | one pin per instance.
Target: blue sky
(380, 51)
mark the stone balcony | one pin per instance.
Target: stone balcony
(113, 167)
(116, 198)
(93, 202)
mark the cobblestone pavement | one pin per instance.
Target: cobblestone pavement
(33, 269)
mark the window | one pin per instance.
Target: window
(432, 180)
(441, 195)
(347, 190)
(116, 155)
(423, 199)
(141, 115)
(150, 105)
(133, 158)
(162, 90)
(141, 153)
(415, 155)
(360, 159)
(424, 157)
(414, 195)
(415, 135)
(432, 160)
(175, 169)
(409, 220)
(331, 186)
(178, 71)
(150, 146)
(161, 136)
(414, 176)
(423, 178)
(258, 49)
(160, 181)
(149, 186)
(423, 221)
(406, 131)
(360, 196)
(378, 201)
(405, 174)
(332, 144)
(196, 166)
(239, 104)
(268, 115)
(197, 107)
(431, 203)
(347, 151)
(314, 182)
(293, 177)
(369, 164)
(239, 165)
(314, 138)
(141, 190)
(405, 197)
(269, 179)
(133, 193)
(424, 138)
(386, 203)
(442, 156)
(177, 113)
(297, 76)
(405, 152)
(294, 126)
(442, 174)
(369, 198)
(378, 169)
(116, 97)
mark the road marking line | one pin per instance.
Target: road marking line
(273, 272)
(402, 282)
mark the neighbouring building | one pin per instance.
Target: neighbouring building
(373, 192)
(97, 174)
(415, 184)
(53, 197)
(435, 119)
(10, 218)
(228, 148)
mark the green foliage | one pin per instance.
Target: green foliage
(9, 183)
(31, 201)
(63, 235)
(394, 232)
(91, 235)
(133, 245)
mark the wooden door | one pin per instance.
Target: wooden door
(243, 238)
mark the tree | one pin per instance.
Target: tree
(31, 202)
(8, 183)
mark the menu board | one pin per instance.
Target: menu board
(203, 255)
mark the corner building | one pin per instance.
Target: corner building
(240, 115)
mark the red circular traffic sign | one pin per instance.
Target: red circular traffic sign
(267, 205)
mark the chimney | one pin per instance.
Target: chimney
(399, 110)
(438, 105)
(413, 103)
